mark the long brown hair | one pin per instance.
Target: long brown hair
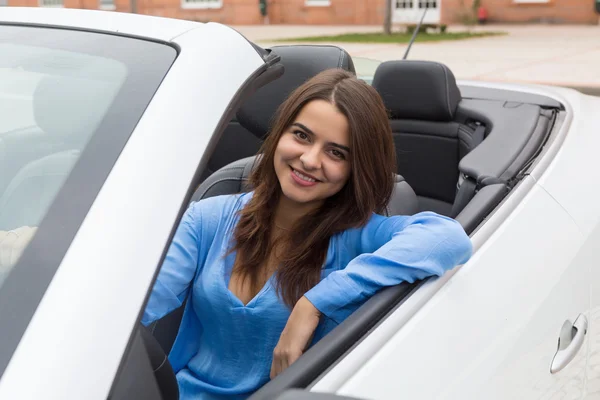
(368, 189)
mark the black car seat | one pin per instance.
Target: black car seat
(300, 64)
(68, 114)
(430, 136)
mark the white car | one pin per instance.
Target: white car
(112, 123)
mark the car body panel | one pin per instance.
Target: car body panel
(101, 285)
(448, 349)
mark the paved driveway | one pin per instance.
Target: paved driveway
(561, 55)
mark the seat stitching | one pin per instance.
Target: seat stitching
(230, 169)
(447, 90)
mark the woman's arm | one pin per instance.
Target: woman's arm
(392, 250)
(178, 269)
(187, 254)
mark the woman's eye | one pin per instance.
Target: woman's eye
(338, 154)
(301, 135)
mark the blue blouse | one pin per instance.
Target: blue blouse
(224, 348)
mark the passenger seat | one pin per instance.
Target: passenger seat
(430, 137)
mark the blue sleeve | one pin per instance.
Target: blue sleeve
(178, 269)
(391, 250)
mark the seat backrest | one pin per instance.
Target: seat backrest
(430, 138)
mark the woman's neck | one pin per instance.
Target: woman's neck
(288, 212)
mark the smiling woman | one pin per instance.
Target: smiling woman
(270, 272)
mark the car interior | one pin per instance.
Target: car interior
(460, 151)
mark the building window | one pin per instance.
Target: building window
(201, 3)
(427, 4)
(51, 3)
(107, 4)
(318, 3)
(404, 4)
(3, 3)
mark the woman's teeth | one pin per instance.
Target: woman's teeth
(304, 177)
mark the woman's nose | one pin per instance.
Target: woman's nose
(311, 158)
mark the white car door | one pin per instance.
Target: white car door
(492, 331)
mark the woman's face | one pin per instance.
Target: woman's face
(312, 158)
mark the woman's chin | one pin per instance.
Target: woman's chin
(299, 195)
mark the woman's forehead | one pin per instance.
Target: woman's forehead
(324, 120)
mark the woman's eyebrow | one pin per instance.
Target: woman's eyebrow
(305, 128)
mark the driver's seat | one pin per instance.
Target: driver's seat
(301, 63)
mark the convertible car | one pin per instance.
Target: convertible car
(111, 124)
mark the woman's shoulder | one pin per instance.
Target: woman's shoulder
(383, 226)
(219, 206)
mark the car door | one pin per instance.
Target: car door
(491, 331)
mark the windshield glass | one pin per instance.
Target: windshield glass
(365, 68)
(55, 92)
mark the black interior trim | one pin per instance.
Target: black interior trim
(480, 206)
(136, 380)
(484, 93)
(511, 129)
(532, 147)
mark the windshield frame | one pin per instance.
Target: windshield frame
(148, 61)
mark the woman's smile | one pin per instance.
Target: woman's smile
(303, 179)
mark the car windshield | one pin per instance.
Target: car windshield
(57, 88)
(365, 68)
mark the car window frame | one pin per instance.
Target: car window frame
(150, 61)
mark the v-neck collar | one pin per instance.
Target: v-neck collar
(226, 275)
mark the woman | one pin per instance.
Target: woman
(272, 271)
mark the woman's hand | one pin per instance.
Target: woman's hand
(296, 336)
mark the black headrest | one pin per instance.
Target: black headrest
(422, 90)
(300, 62)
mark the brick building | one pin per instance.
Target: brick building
(346, 12)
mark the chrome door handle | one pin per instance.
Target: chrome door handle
(571, 339)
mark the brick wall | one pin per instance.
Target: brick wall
(235, 12)
(346, 12)
(554, 11)
(339, 12)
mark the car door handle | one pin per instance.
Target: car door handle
(571, 339)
